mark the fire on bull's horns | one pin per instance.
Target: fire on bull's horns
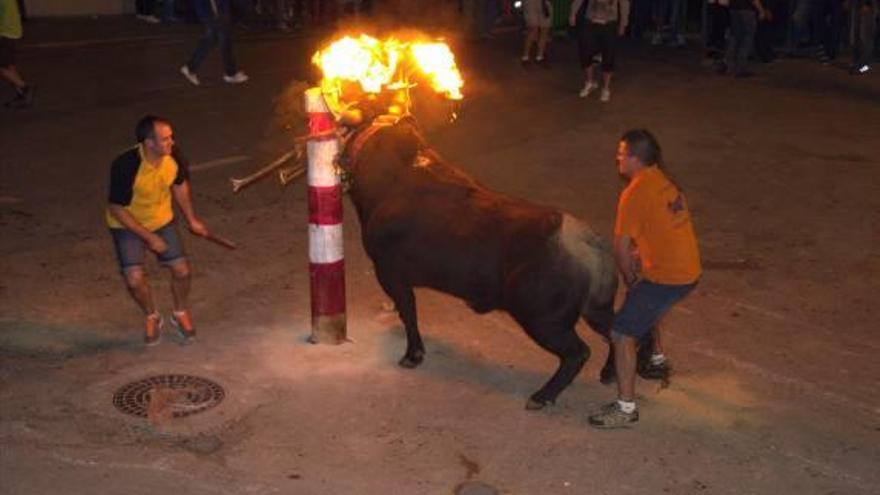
(364, 77)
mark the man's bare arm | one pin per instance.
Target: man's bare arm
(183, 197)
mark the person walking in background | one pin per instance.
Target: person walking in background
(168, 13)
(539, 18)
(606, 20)
(145, 10)
(804, 20)
(215, 17)
(831, 29)
(866, 26)
(764, 50)
(668, 18)
(10, 32)
(719, 22)
(744, 15)
(479, 18)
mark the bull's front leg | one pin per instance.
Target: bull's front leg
(415, 348)
(405, 301)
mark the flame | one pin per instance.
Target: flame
(438, 63)
(379, 65)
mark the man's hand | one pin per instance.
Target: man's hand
(572, 20)
(621, 30)
(197, 227)
(156, 244)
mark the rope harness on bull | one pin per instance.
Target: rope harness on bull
(355, 140)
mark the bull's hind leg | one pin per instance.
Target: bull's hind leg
(405, 301)
(572, 353)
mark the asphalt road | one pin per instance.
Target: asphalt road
(776, 380)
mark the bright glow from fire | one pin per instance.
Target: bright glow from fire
(438, 63)
(388, 64)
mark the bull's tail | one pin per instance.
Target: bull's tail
(594, 257)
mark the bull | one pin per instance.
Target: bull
(426, 223)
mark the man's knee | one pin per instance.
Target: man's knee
(135, 278)
(180, 270)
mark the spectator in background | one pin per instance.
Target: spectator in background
(215, 17)
(719, 22)
(744, 15)
(804, 19)
(145, 10)
(539, 18)
(168, 14)
(866, 25)
(479, 18)
(10, 32)
(640, 21)
(606, 20)
(764, 50)
(668, 19)
(831, 28)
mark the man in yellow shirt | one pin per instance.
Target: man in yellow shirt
(658, 258)
(140, 214)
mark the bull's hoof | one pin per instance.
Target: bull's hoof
(534, 404)
(410, 362)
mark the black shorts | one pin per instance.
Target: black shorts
(598, 39)
(7, 52)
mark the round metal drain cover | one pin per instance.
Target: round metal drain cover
(174, 396)
(475, 488)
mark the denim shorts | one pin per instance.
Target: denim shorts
(645, 304)
(130, 247)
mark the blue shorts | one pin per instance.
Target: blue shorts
(130, 247)
(646, 302)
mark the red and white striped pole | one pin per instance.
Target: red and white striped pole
(326, 260)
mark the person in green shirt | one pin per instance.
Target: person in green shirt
(10, 31)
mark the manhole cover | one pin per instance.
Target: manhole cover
(174, 396)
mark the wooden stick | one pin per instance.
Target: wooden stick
(221, 241)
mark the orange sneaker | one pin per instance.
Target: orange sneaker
(153, 329)
(183, 323)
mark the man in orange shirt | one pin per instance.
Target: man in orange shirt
(658, 258)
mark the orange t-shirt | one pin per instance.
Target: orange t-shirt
(654, 213)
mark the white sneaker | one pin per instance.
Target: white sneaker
(588, 88)
(605, 97)
(237, 78)
(150, 19)
(189, 75)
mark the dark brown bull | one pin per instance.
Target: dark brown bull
(426, 223)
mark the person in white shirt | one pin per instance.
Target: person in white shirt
(605, 20)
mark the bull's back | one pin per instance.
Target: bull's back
(459, 237)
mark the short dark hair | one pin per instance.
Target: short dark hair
(644, 146)
(146, 127)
